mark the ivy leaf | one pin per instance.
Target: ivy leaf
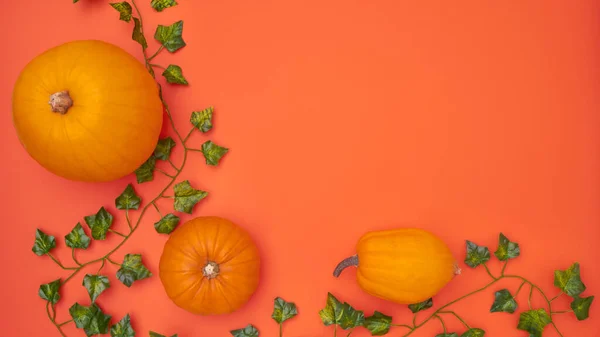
(49, 291)
(99, 223)
(145, 172)
(351, 318)
(534, 321)
(333, 311)
(569, 281)
(160, 5)
(504, 302)
(132, 270)
(202, 120)
(174, 75)
(506, 249)
(581, 307)
(170, 36)
(167, 224)
(248, 331)
(95, 285)
(77, 238)
(213, 152)
(282, 310)
(124, 8)
(163, 148)
(99, 323)
(123, 328)
(91, 319)
(453, 334)
(43, 243)
(473, 332)
(81, 315)
(186, 197)
(137, 33)
(128, 199)
(154, 334)
(476, 255)
(378, 324)
(421, 306)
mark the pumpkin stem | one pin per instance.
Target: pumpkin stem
(348, 262)
(211, 270)
(60, 102)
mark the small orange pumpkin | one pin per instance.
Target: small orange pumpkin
(209, 266)
(406, 266)
(87, 111)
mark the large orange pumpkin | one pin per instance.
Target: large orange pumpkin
(209, 266)
(406, 265)
(87, 111)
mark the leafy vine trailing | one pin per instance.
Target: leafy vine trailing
(534, 320)
(92, 318)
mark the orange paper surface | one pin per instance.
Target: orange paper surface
(465, 118)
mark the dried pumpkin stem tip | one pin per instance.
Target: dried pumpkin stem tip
(352, 261)
(61, 102)
(211, 270)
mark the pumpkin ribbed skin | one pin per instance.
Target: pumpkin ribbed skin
(404, 266)
(188, 252)
(113, 124)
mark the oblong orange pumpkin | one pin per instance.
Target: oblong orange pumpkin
(87, 111)
(406, 266)
(209, 266)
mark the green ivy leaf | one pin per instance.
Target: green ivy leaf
(137, 33)
(473, 332)
(452, 334)
(333, 311)
(351, 318)
(170, 36)
(378, 324)
(186, 197)
(123, 328)
(504, 302)
(569, 281)
(213, 152)
(282, 310)
(49, 291)
(154, 334)
(99, 223)
(581, 307)
(145, 172)
(163, 148)
(174, 75)
(128, 199)
(132, 270)
(124, 8)
(248, 331)
(506, 249)
(81, 315)
(160, 5)
(43, 243)
(534, 321)
(167, 224)
(421, 306)
(91, 319)
(95, 285)
(202, 120)
(77, 238)
(476, 255)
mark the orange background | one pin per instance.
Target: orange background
(466, 118)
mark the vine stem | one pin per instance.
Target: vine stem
(436, 313)
(106, 257)
(457, 316)
(51, 317)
